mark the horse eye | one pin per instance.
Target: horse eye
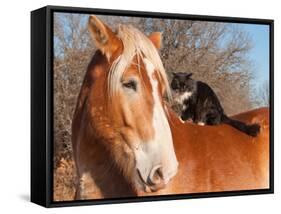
(130, 84)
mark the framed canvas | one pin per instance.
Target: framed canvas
(131, 106)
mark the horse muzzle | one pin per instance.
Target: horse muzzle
(154, 181)
(156, 178)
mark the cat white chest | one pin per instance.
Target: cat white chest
(182, 97)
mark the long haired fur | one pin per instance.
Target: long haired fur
(135, 43)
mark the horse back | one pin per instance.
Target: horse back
(221, 158)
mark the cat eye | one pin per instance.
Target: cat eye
(175, 84)
(131, 84)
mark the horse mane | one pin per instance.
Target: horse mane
(135, 43)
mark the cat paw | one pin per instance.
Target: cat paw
(182, 121)
(201, 124)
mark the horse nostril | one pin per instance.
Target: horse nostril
(155, 176)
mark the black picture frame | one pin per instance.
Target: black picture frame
(42, 104)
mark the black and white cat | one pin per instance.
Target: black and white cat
(200, 104)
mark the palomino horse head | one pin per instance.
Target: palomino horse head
(127, 106)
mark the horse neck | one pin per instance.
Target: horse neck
(93, 158)
(95, 155)
(106, 175)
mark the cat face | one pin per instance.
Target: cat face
(182, 82)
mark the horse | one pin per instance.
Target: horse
(128, 142)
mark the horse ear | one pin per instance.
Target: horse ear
(104, 38)
(156, 38)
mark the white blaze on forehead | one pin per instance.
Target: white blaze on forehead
(135, 43)
(160, 149)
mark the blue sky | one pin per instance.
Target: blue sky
(259, 54)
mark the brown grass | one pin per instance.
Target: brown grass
(64, 181)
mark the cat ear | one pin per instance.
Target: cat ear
(189, 75)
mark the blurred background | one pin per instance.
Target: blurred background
(232, 58)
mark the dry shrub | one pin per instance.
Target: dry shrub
(64, 181)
